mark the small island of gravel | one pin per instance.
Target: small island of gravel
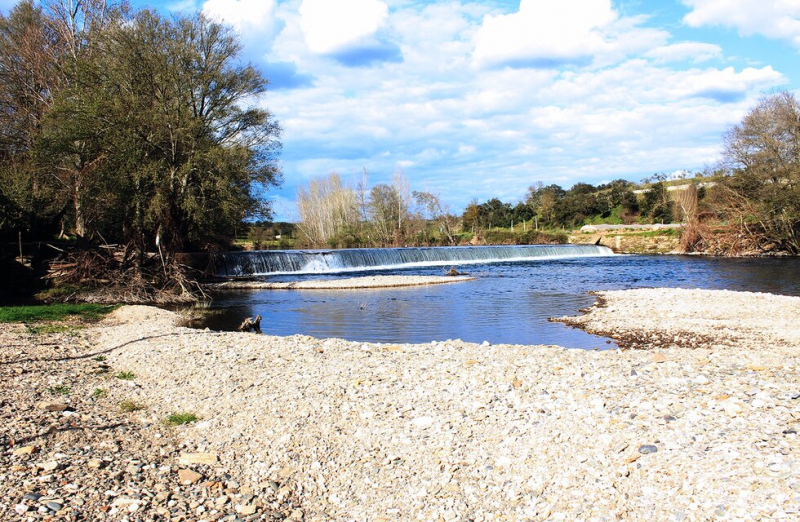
(701, 424)
(351, 283)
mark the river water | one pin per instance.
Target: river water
(509, 302)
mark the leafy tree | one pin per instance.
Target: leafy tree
(522, 212)
(578, 203)
(494, 213)
(657, 203)
(163, 122)
(29, 52)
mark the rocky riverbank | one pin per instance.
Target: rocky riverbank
(700, 428)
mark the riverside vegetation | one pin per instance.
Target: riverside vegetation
(748, 204)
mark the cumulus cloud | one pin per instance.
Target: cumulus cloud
(776, 19)
(552, 33)
(347, 30)
(247, 16)
(693, 51)
(646, 104)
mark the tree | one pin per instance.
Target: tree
(438, 212)
(762, 161)
(30, 49)
(384, 202)
(327, 208)
(657, 204)
(163, 119)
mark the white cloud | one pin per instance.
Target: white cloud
(479, 132)
(330, 26)
(245, 15)
(777, 19)
(695, 51)
(551, 33)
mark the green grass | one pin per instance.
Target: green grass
(99, 358)
(130, 406)
(53, 312)
(125, 376)
(176, 419)
(60, 390)
(99, 393)
(51, 328)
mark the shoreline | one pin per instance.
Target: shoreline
(350, 283)
(449, 430)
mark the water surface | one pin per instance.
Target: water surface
(508, 303)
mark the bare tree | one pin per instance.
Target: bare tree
(762, 158)
(327, 207)
(438, 212)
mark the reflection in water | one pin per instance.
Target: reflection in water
(509, 303)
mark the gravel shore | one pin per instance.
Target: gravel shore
(701, 426)
(352, 283)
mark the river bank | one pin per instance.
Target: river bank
(684, 430)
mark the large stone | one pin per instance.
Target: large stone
(53, 406)
(187, 476)
(26, 450)
(197, 458)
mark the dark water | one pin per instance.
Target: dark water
(509, 303)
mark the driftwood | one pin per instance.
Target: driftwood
(251, 324)
(453, 272)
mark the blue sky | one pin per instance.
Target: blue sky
(481, 99)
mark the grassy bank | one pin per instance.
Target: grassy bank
(53, 312)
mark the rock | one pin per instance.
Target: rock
(32, 496)
(187, 476)
(659, 357)
(246, 509)
(21, 509)
(54, 506)
(52, 406)
(297, 514)
(124, 502)
(26, 450)
(95, 463)
(51, 466)
(198, 458)
(646, 449)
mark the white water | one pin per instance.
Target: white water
(297, 262)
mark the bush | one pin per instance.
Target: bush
(176, 419)
(501, 237)
(537, 237)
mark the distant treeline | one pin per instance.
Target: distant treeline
(748, 203)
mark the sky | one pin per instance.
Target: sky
(480, 99)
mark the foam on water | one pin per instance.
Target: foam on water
(282, 262)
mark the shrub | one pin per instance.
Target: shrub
(130, 406)
(177, 419)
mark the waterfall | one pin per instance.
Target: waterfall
(276, 262)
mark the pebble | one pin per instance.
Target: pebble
(341, 440)
(54, 506)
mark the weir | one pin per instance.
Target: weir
(282, 262)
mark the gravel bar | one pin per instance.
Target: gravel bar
(699, 428)
(352, 283)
